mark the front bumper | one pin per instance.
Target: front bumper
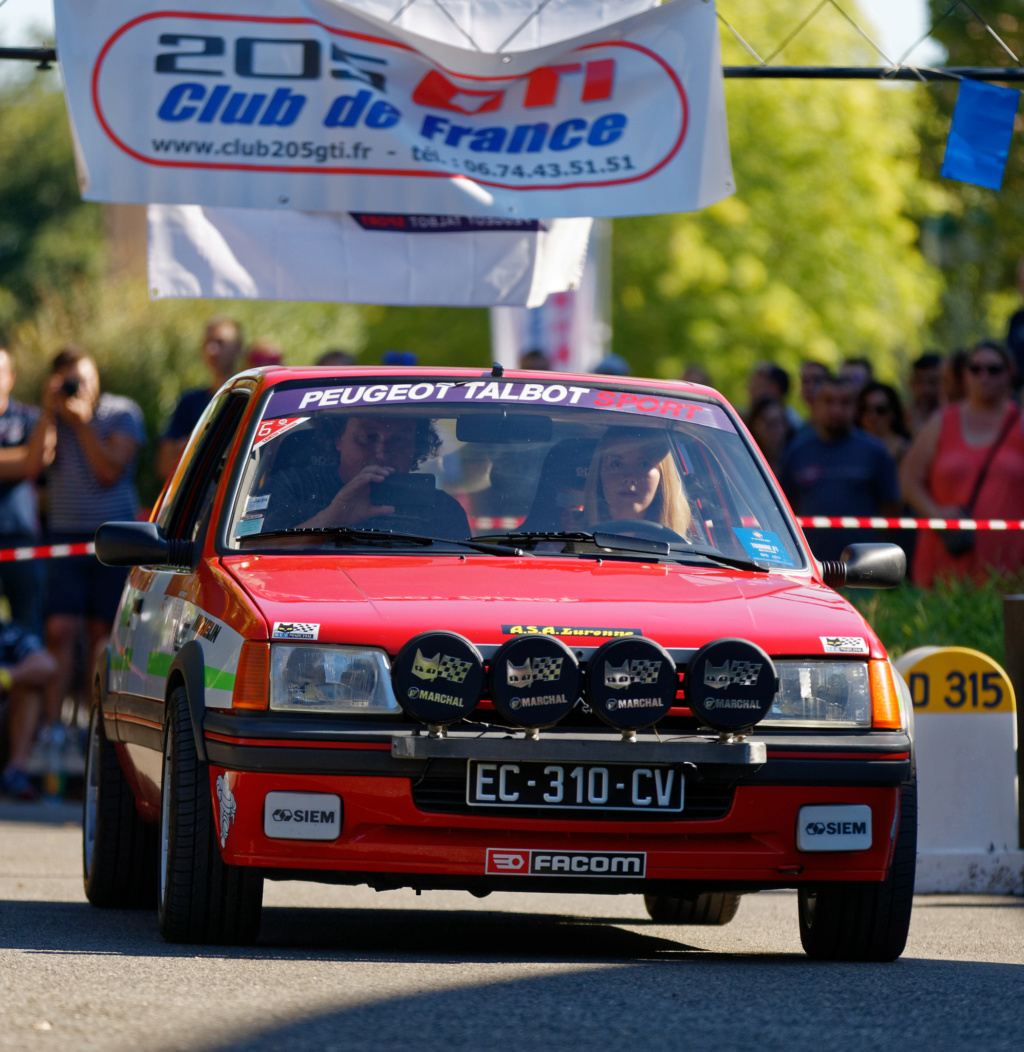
(740, 833)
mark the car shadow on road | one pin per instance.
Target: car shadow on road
(339, 934)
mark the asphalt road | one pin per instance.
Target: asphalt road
(350, 969)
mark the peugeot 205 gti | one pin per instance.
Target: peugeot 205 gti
(485, 631)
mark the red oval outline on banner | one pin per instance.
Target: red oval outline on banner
(306, 170)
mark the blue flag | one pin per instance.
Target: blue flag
(979, 138)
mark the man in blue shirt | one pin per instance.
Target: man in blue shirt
(833, 468)
(222, 345)
(22, 580)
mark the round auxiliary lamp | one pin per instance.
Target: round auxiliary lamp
(534, 681)
(631, 683)
(438, 678)
(730, 686)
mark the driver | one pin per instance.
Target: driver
(370, 449)
(633, 475)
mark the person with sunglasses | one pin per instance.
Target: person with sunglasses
(968, 462)
(880, 413)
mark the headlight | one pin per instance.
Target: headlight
(821, 694)
(307, 678)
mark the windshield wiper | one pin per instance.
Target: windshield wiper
(706, 551)
(529, 536)
(372, 535)
(641, 545)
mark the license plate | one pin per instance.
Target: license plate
(587, 786)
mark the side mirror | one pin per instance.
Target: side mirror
(866, 566)
(139, 544)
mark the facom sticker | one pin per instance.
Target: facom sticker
(844, 645)
(257, 503)
(532, 863)
(249, 526)
(295, 630)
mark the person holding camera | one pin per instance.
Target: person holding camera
(87, 443)
(371, 484)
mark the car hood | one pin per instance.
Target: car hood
(385, 600)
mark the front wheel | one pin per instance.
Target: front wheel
(119, 850)
(865, 921)
(201, 899)
(709, 907)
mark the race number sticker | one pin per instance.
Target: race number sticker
(844, 645)
(295, 630)
(269, 429)
(764, 546)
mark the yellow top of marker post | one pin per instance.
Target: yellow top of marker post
(955, 680)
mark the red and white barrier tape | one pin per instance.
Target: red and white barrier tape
(483, 522)
(835, 522)
(47, 551)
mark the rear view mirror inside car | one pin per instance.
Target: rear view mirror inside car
(503, 428)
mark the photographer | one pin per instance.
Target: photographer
(87, 444)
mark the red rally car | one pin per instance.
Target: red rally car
(438, 628)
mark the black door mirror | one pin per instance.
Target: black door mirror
(139, 544)
(866, 566)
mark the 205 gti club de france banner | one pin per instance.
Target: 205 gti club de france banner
(311, 105)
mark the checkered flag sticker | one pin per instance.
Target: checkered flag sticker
(547, 669)
(644, 671)
(745, 673)
(453, 669)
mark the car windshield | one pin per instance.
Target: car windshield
(508, 465)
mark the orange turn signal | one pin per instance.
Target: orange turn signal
(885, 702)
(252, 680)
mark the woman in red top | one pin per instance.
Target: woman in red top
(941, 469)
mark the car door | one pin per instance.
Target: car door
(164, 614)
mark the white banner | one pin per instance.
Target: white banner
(453, 261)
(321, 108)
(572, 328)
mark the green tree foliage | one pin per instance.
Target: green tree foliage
(49, 240)
(977, 238)
(816, 254)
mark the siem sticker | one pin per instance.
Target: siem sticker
(844, 645)
(295, 630)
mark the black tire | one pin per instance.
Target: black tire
(119, 849)
(709, 907)
(201, 899)
(865, 921)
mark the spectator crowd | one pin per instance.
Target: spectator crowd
(952, 447)
(66, 467)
